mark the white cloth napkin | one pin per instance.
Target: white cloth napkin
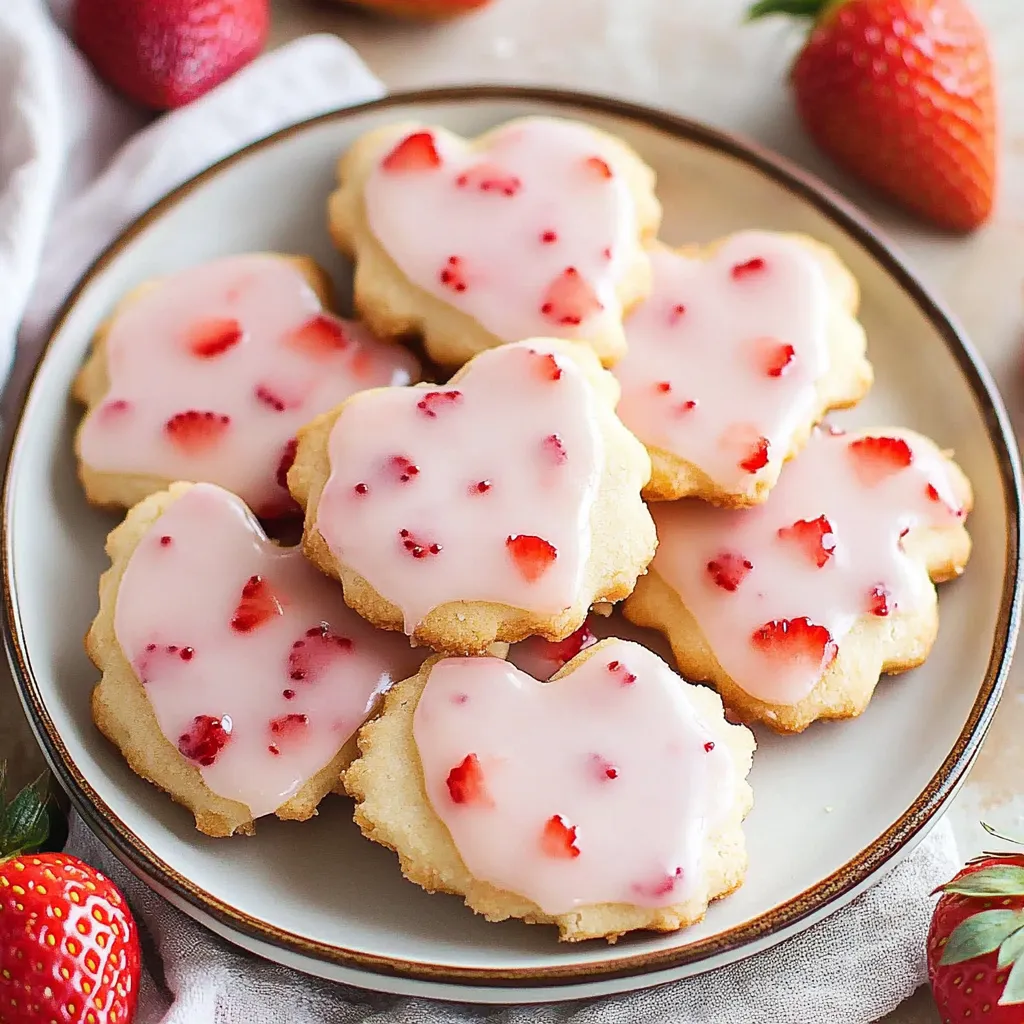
(75, 165)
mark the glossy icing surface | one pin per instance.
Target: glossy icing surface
(481, 490)
(528, 236)
(725, 353)
(214, 368)
(777, 588)
(604, 782)
(265, 681)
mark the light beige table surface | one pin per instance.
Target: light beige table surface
(695, 57)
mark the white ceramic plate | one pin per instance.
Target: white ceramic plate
(834, 807)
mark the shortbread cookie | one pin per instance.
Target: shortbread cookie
(737, 353)
(793, 609)
(498, 506)
(206, 375)
(535, 229)
(607, 800)
(234, 677)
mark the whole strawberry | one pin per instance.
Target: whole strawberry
(165, 53)
(69, 949)
(976, 943)
(900, 93)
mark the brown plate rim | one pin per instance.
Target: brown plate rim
(774, 922)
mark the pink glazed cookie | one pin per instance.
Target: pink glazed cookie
(793, 609)
(739, 350)
(607, 800)
(234, 676)
(534, 229)
(206, 374)
(497, 506)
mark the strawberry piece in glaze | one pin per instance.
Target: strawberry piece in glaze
(466, 783)
(532, 556)
(416, 152)
(570, 300)
(205, 739)
(813, 536)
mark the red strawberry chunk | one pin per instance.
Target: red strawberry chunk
(626, 677)
(532, 556)
(195, 432)
(798, 639)
(757, 457)
(599, 167)
(453, 275)
(466, 783)
(748, 269)
(416, 546)
(728, 570)
(206, 738)
(289, 727)
(547, 366)
(563, 651)
(488, 177)
(320, 337)
(876, 458)
(433, 401)
(416, 152)
(401, 469)
(213, 336)
(814, 536)
(603, 769)
(559, 838)
(549, 237)
(880, 600)
(257, 606)
(776, 357)
(663, 886)
(555, 449)
(314, 652)
(286, 462)
(569, 300)
(273, 399)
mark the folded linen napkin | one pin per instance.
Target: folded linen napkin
(75, 166)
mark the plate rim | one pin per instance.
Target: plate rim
(806, 906)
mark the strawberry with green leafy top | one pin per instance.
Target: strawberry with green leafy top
(901, 94)
(976, 942)
(69, 949)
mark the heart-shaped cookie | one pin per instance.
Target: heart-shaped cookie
(497, 506)
(535, 229)
(234, 676)
(736, 354)
(619, 787)
(207, 374)
(794, 608)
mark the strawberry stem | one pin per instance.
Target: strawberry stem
(797, 8)
(24, 822)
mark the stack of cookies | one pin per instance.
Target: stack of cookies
(607, 420)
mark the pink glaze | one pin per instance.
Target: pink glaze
(221, 338)
(708, 373)
(615, 752)
(544, 197)
(493, 479)
(199, 650)
(737, 573)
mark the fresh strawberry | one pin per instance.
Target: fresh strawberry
(775, 357)
(532, 555)
(207, 736)
(559, 839)
(543, 658)
(213, 336)
(547, 366)
(453, 275)
(569, 300)
(623, 674)
(286, 730)
(427, 10)
(69, 947)
(749, 268)
(813, 536)
(401, 469)
(880, 601)
(976, 942)
(875, 458)
(258, 605)
(166, 53)
(554, 448)
(487, 177)
(563, 651)
(432, 401)
(321, 336)
(728, 570)
(796, 639)
(418, 547)
(466, 783)
(314, 652)
(415, 152)
(757, 456)
(901, 94)
(196, 432)
(599, 167)
(273, 399)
